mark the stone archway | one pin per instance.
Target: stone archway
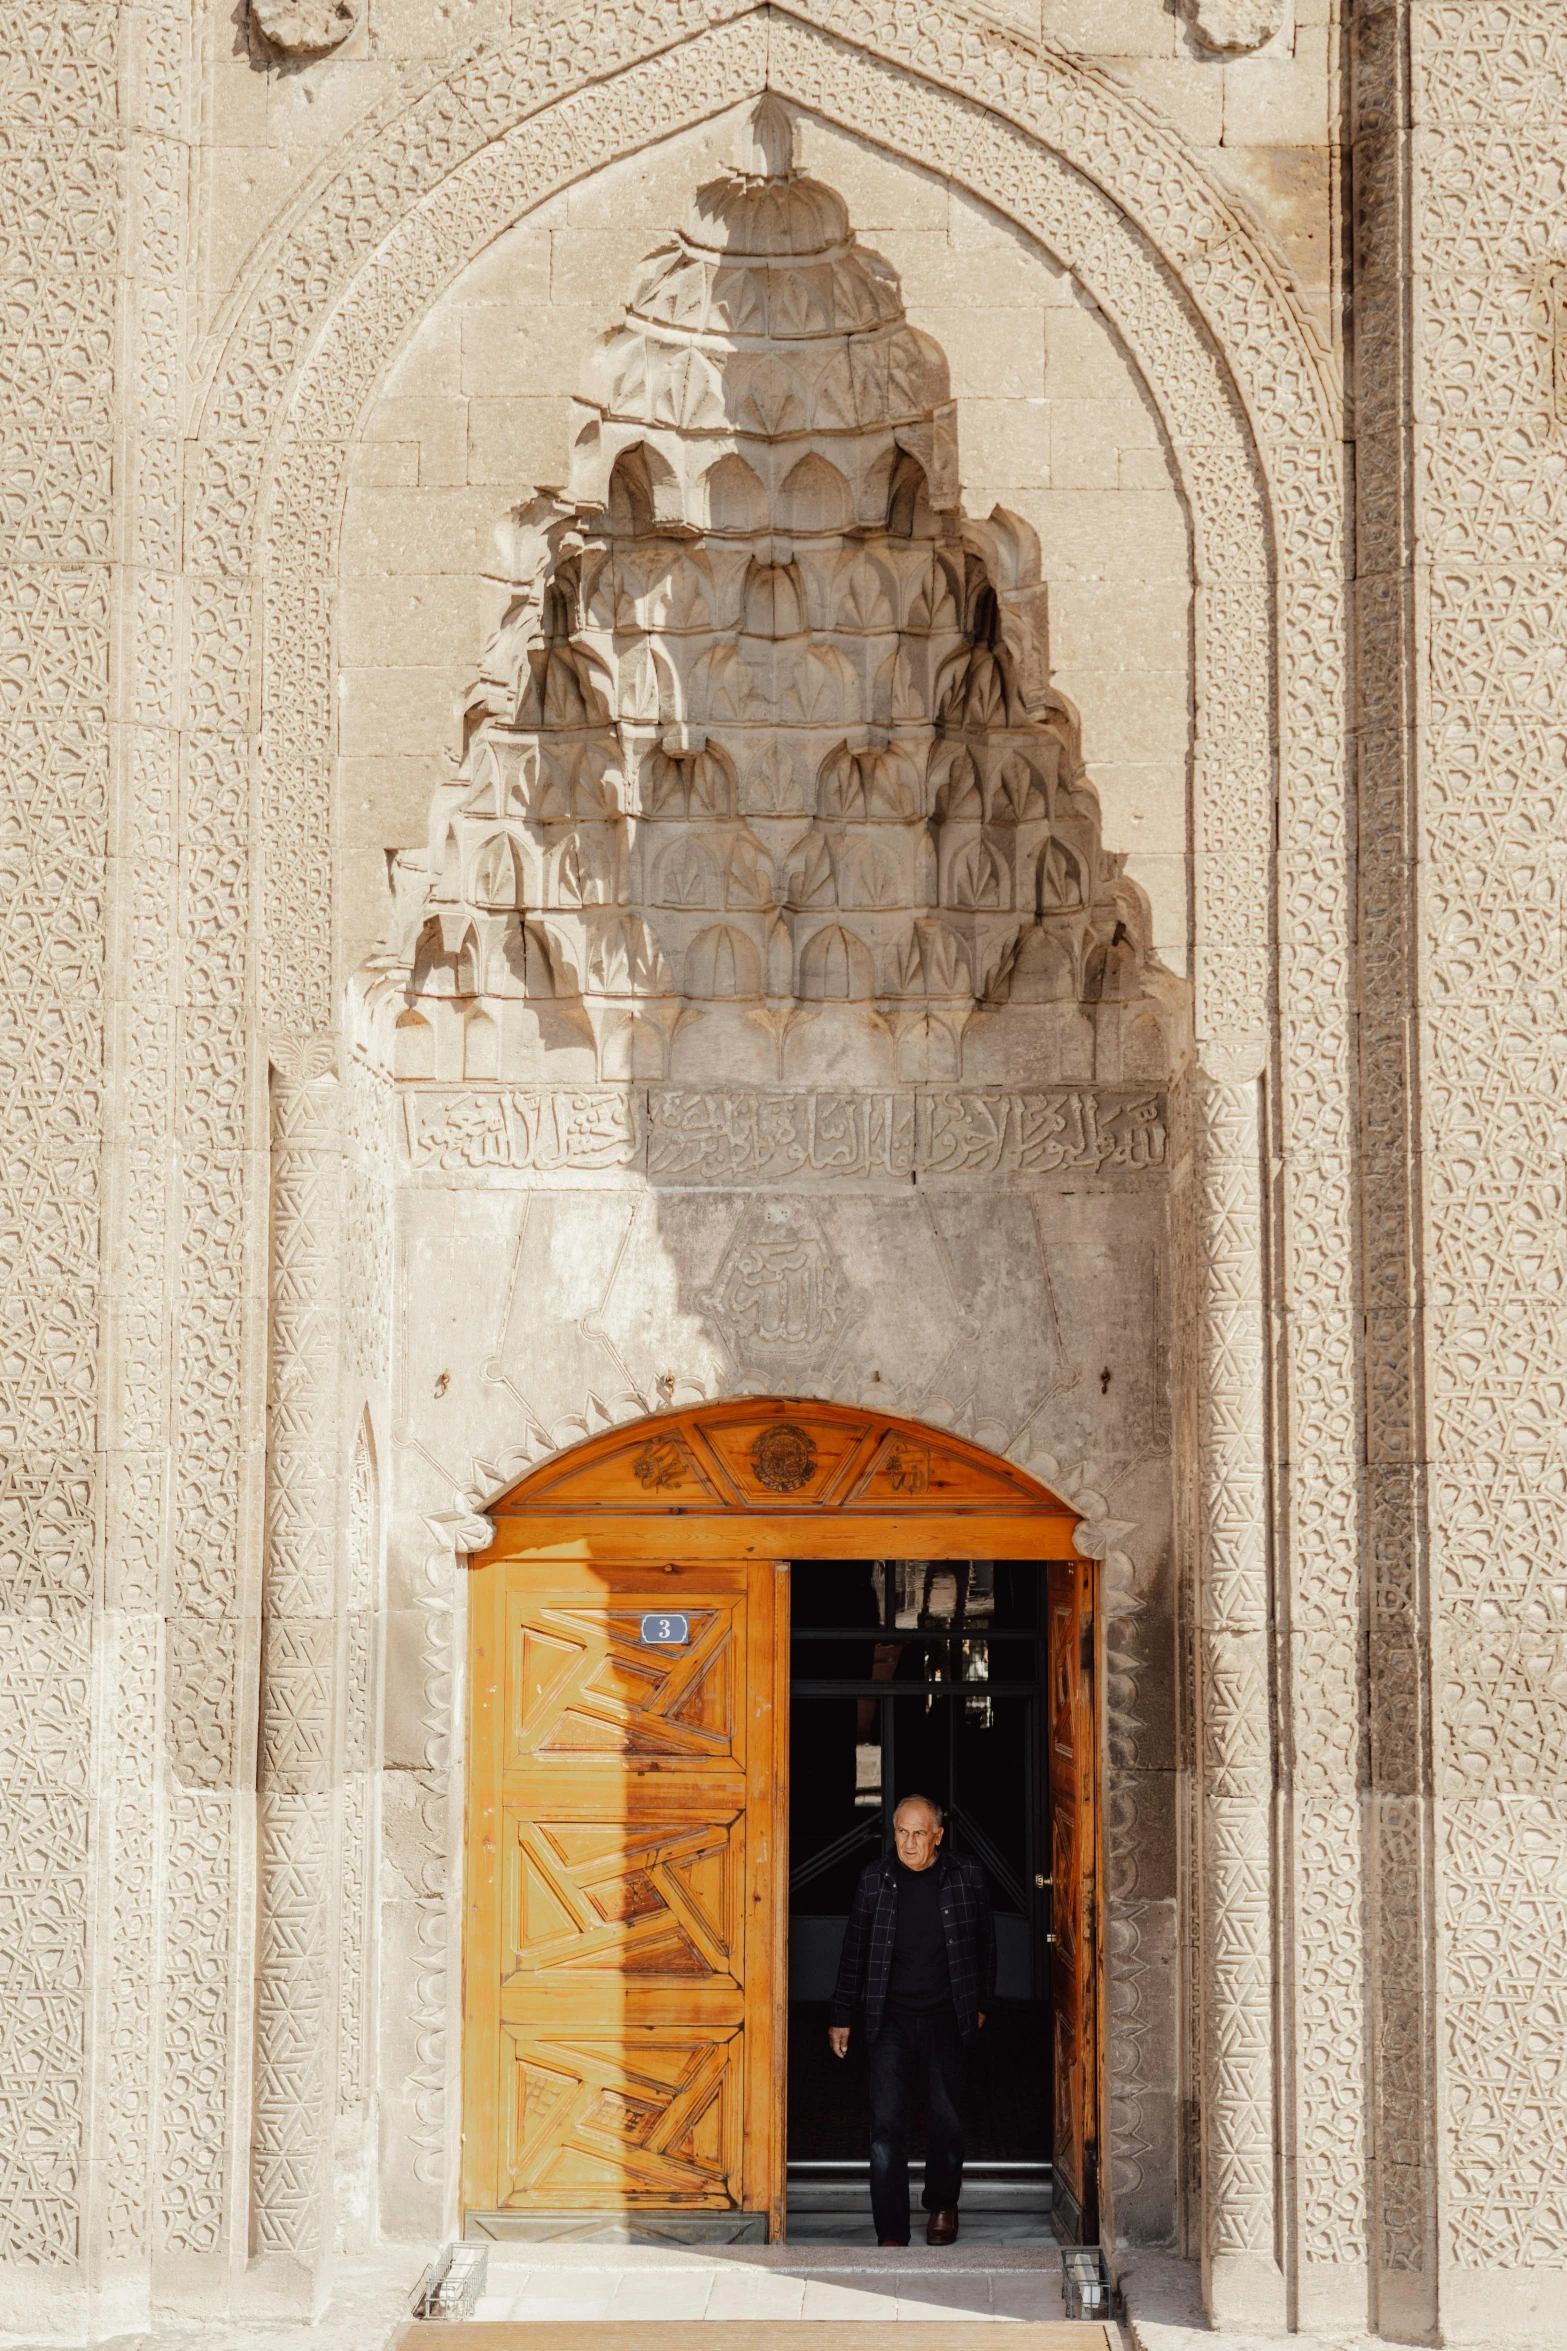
(1089, 171)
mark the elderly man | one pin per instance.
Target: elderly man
(920, 1950)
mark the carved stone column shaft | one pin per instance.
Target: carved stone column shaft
(1244, 2281)
(1402, 2036)
(294, 2000)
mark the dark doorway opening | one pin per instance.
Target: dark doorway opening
(920, 1677)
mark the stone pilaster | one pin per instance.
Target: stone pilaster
(1235, 1744)
(296, 1957)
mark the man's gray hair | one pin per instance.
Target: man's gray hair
(930, 1804)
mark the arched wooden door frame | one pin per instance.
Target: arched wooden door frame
(707, 1504)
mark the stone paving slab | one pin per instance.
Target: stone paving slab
(649, 2284)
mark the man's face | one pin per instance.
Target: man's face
(916, 1835)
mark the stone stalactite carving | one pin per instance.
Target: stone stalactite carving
(765, 741)
(295, 2017)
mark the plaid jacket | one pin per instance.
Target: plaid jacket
(865, 1969)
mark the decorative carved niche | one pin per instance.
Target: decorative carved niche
(763, 769)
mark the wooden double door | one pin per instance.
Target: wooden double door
(625, 1954)
(626, 1911)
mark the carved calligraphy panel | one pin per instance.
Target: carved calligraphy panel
(697, 1137)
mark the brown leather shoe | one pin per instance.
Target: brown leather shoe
(942, 2229)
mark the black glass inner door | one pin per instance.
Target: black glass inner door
(918, 1678)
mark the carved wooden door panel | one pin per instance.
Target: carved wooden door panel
(1074, 1954)
(624, 1962)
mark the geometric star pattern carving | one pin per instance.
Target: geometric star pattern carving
(60, 225)
(1494, 523)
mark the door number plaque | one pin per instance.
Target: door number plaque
(666, 1631)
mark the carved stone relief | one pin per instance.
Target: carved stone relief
(782, 1297)
(62, 391)
(359, 1760)
(680, 1134)
(1234, 27)
(829, 834)
(305, 28)
(1447, 1175)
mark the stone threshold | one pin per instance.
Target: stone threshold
(773, 2334)
(801, 2256)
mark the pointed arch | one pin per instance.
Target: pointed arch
(1204, 304)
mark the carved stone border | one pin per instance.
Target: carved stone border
(1089, 170)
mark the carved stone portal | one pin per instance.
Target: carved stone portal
(764, 758)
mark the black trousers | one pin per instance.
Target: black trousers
(915, 2047)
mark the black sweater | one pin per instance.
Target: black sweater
(920, 1976)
